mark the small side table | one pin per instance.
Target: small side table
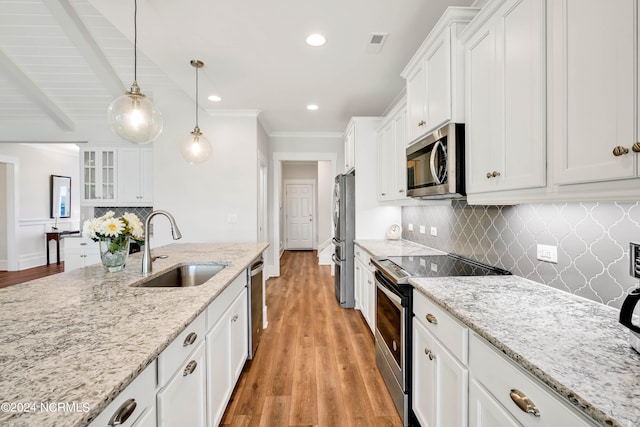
(57, 235)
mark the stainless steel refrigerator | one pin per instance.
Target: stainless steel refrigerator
(344, 220)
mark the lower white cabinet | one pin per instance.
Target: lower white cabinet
(440, 381)
(512, 394)
(80, 252)
(135, 405)
(227, 350)
(365, 287)
(182, 401)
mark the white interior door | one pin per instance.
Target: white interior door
(299, 216)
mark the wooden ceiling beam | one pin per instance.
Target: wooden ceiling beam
(80, 36)
(33, 92)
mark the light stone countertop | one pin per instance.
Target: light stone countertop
(396, 248)
(84, 335)
(574, 345)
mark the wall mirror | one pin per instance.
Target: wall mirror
(60, 196)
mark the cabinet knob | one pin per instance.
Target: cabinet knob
(123, 413)
(234, 318)
(431, 319)
(428, 353)
(620, 150)
(191, 366)
(190, 339)
(523, 402)
(636, 147)
(422, 123)
(493, 174)
(400, 191)
(383, 194)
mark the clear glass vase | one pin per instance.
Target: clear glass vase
(114, 253)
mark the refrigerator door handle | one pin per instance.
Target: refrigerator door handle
(337, 242)
(335, 259)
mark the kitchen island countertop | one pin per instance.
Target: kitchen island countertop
(83, 336)
(574, 345)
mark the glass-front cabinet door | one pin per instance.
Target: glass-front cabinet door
(98, 175)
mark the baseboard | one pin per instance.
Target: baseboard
(33, 260)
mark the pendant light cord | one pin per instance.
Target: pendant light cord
(197, 97)
(135, 40)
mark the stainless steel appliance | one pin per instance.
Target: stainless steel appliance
(630, 303)
(255, 298)
(344, 220)
(435, 164)
(394, 313)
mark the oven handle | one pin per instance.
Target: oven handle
(432, 165)
(393, 297)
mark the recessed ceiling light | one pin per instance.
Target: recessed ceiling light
(214, 98)
(316, 40)
(312, 107)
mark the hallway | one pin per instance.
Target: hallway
(315, 365)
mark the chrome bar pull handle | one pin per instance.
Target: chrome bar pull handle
(190, 339)
(429, 353)
(123, 413)
(191, 366)
(524, 403)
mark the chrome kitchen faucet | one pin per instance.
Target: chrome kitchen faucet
(147, 259)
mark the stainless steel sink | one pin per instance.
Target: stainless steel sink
(184, 276)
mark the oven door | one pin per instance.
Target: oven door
(390, 331)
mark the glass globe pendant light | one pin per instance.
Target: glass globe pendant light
(196, 148)
(132, 116)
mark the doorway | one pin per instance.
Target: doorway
(8, 213)
(300, 215)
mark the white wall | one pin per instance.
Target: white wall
(37, 162)
(4, 181)
(215, 201)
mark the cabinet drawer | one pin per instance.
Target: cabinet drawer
(453, 334)
(222, 302)
(500, 376)
(80, 243)
(173, 356)
(363, 256)
(137, 399)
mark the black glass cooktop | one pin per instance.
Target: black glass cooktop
(403, 267)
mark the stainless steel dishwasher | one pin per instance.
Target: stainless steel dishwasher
(255, 305)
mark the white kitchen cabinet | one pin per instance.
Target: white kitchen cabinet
(593, 79)
(349, 148)
(227, 348)
(80, 252)
(434, 76)
(440, 379)
(485, 411)
(392, 163)
(357, 283)
(181, 402)
(505, 98)
(365, 287)
(498, 383)
(135, 176)
(98, 175)
(135, 405)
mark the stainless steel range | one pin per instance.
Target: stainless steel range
(394, 313)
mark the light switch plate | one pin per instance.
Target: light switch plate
(547, 253)
(423, 229)
(434, 231)
(410, 227)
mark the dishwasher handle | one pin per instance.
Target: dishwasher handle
(257, 267)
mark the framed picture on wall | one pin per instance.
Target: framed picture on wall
(60, 196)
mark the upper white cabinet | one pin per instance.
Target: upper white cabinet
(435, 76)
(350, 148)
(505, 97)
(593, 78)
(135, 176)
(98, 174)
(117, 176)
(392, 166)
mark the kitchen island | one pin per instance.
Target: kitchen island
(79, 338)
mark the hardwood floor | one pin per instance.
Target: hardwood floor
(8, 278)
(315, 365)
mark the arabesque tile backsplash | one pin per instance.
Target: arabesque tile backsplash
(592, 240)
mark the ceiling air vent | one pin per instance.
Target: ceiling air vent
(376, 41)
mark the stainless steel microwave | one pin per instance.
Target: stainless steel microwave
(435, 164)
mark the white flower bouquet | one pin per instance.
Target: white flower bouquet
(114, 234)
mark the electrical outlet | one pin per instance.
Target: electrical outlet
(547, 253)
(434, 267)
(410, 227)
(423, 229)
(232, 218)
(434, 231)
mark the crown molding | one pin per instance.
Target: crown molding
(283, 134)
